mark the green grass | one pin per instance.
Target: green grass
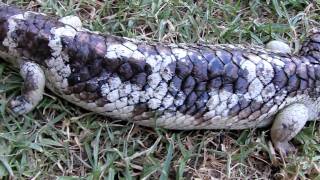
(60, 141)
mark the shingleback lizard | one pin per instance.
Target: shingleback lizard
(174, 86)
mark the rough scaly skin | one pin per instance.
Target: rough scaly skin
(175, 86)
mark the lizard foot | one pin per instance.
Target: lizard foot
(32, 90)
(20, 105)
(288, 124)
(285, 148)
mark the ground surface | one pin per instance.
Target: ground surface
(58, 140)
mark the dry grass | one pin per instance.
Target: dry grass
(60, 141)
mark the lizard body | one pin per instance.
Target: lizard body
(174, 86)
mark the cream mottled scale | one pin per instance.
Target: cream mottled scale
(174, 86)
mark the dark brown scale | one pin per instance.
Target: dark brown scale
(314, 46)
(311, 84)
(84, 74)
(302, 71)
(241, 85)
(139, 79)
(292, 94)
(311, 72)
(199, 113)
(228, 87)
(125, 71)
(82, 46)
(84, 96)
(147, 69)
(243, 102)
(111, 65)
(231, 72)
(137, 65)
(266, 107)
(245, 113)
(255, 106)
(92, 96)
(280, 78)
(184, 68)
(317, 71)
(237, 57)
(31, 27)
(303, 85)
(200, 67)
(268, 90)
(146, 49)
(74, 79)
(281, 95)
(48, 25)
(163, 50)
(215, 67)
(3, 30)
(191, 110)
(234, 110)
(188, 85)
(147, 115)
(315, 37)
(175, 85)
(95, 67)
(110, 39)
(215, 83)
(201, 86)
(97, 46)
(224, 56)
(290, 69)
(40, 21)
(140, 108)
(311, 59)
(101, 102)
(254, 115)
(79, 87)
(102, 78)
(202, 100)
(182, 108)
(91, 86)
(170, 68)
(207, 53)
(293, 83)
(243, 73)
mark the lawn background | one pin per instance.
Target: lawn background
(60, 141)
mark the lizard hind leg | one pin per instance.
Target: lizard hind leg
(32, 90)
(287, 124)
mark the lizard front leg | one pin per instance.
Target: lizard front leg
(32, 90)
(288, 124)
